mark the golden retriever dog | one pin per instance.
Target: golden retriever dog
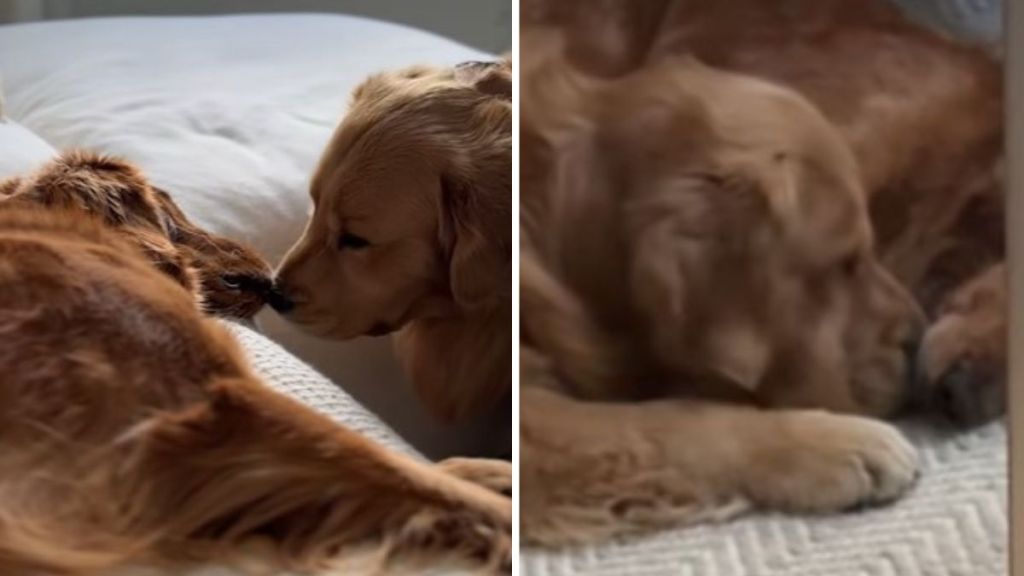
(411, 231)
(923, 114)
(136, 431)
(699, 281)
(229, 278)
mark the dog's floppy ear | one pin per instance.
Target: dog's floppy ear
(491, 78)
(480, 256)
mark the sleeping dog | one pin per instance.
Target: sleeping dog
(136, 430)
(747, 204)
(923, 115)
(698, 281)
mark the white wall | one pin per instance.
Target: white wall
(484, 24)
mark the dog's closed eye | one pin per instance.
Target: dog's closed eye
(352, 242)
(248, 283)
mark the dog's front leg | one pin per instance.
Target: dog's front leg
(590, 471)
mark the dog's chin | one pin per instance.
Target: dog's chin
(338, 331)
(380, 329)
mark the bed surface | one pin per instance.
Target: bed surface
(229, 114)
(954, 523)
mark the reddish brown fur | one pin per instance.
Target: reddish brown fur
(135, 429)
(117, 193)
(421, 167)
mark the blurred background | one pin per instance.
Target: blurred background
(482, 24)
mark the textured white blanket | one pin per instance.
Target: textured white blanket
(954, 523)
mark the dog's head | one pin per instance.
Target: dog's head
(747, 252)
(228, 278)
(412, 205)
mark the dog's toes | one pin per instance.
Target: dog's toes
(829, 462)
(495, 475)
(462, 534)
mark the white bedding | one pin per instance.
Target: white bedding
(954, 523)
(230, 114)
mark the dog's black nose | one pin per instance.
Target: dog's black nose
(918, 390)
(280, 301)
(969, 395)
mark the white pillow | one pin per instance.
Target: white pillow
(20, 150)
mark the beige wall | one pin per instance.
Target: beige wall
(483, 24)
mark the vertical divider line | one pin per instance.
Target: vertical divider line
(515, 288)
(1014, 118)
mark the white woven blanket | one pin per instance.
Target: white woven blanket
(954, 523)
(286, 373)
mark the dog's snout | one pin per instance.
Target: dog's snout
(280, 300)
(953, 397)
(968, 395)
(916, 380)
(910, 347)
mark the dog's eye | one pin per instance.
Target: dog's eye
(231, 281)
(247, 282)
(352, 242)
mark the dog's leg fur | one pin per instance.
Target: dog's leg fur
(681, 462)
(249, 462)
(252, 462)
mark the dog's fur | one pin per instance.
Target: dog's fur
(137, 432)
(421, 169)
(923, 114)
(676, 222)
(691, 232)
(228, 278)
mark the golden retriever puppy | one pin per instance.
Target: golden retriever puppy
(411, 231)
(922, 112)
(135, 431)
(693, 233)
(229, 278)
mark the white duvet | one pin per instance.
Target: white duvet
(229, 114)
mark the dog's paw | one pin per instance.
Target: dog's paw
(483, 539)
(822, 462)
(495, 475)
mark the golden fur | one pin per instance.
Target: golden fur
(923, 114)
(691, 232)
(420, 170)
(136, 431)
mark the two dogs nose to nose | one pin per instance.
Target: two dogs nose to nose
(280, 300)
